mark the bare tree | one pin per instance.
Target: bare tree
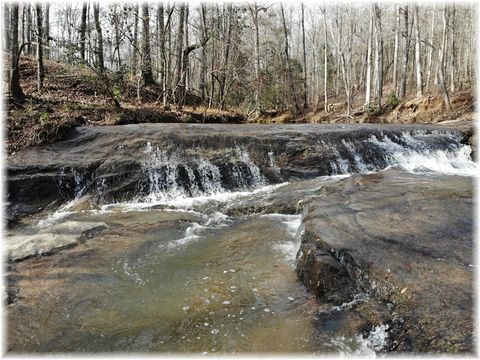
(98, 28)
(430, 49)
(147, 74)
(203, 52)
(15, 88)
(395, 50)
(83, 32)
(368, 86)
(287, 61)
(305, 93)
(325, 59)
(441, 57)
(40, 72)
(46, 30)
(418, 58)
(379, 55)
(406, 50)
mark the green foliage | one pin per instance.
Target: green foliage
(44, 117)
(371, 110)
(392, 100)
(117, 92)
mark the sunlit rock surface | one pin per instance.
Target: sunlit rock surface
(405, 238)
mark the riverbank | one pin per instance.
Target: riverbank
(74, 97)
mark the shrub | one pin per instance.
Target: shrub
(392, 100)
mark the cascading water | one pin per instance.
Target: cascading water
(416, 152)
(170, 176)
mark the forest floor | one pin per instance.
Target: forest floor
(73, 96)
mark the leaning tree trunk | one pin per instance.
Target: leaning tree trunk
(15, 88)
(40, 74)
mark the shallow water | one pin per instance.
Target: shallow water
(175, 280)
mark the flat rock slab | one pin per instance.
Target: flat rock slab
(407, 239)
(48, 240)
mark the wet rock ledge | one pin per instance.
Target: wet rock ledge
(407, 241)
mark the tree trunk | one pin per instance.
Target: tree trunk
(325, 60)
(40, 75)
(7, 26)
(368, 87)
(418, 58)
(147, 74)
(395, 51)
(379, 56)
(179, 50)
(46, 30)
(453, 50)
(287, 60)
(29, 37)
(135, 41)
(15, 88)
(430, 50)
(203, 53)
(98, 28)
(161, 44)
(403, 80)
(441, 57)
(117, 25)
(305, 95)
(83, 31)
(226, 56)
(185, 64)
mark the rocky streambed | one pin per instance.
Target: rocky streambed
(175, 238)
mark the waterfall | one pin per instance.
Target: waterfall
(168, 173)
(416, 151)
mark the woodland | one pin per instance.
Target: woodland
(233, 62)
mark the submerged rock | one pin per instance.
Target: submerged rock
(49, 240)
(406, 239)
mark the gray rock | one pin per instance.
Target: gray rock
(406, 239)
(49, 240)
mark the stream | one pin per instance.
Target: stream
(201, 259)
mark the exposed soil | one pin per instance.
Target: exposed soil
(74, 96)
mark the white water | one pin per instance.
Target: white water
(418, 158)
(292, 224)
